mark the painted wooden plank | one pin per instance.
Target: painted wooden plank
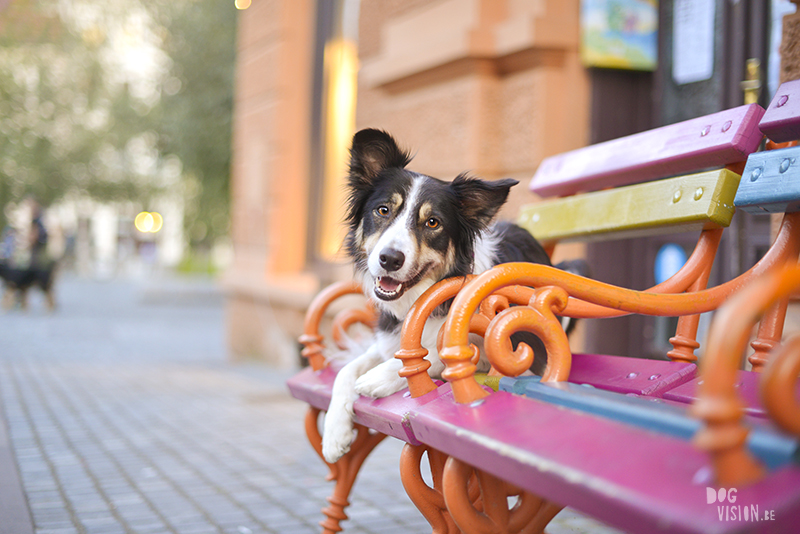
(685, 203)
(629, 375)
(771, 182)
(690, 146)
(781, 121)
(746, 387)
(773, 448)
(630, 478)
(388, 415)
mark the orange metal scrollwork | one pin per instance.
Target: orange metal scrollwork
(415, 366)
(429, 500)
(311, 339)
(530, 514)
(538, 318)
(718, 404)
(344, 471)
(347, 318)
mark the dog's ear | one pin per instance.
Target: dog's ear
(373, 151)
(480, 200)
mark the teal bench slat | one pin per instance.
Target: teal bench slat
(770, 446)
(770, 182)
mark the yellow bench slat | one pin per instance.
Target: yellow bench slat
(685, 203)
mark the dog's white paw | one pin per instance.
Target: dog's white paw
(381, 381)
(337, 436)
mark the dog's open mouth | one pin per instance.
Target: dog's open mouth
(388, 288)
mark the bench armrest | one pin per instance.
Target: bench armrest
(312, 340)
(718, 405)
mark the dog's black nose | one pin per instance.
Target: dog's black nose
(392, 259)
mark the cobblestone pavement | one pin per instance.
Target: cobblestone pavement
(125, 417)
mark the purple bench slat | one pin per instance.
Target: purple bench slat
(746, 386)
(781, 121)
(629, 375)
(690, 146)
(629, 478)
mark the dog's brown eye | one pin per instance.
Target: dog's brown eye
(383, 211)
(432, 223)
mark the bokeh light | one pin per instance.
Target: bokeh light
(148, 222)
(242, 4)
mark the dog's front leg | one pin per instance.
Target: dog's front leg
(382, 381)
(337, 434)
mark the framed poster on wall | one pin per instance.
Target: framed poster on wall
(621, 34)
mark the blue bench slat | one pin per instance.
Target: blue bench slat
(770, 182)
(770, 446)
(584, 461)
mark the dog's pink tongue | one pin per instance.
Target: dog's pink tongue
(388, 284)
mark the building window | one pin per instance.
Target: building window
(334, 112)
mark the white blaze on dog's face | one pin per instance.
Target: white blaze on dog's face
(405, 242)
(409, 230)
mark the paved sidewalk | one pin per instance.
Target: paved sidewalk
(124, 416)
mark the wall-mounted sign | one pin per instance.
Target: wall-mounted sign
(620, 34)
(692, 40)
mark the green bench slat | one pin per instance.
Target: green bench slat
(685, 203)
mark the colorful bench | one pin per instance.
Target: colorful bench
(620, 450)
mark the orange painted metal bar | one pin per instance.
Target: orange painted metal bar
(700, 260)
(344, 471)
(457, 354)
(685, 340)
(428, 500)
(781, 251)
(415, 366)
(771, 328)
(530, 514)
(538, 318)
(778, 382)
(311, 339)
(718, 404)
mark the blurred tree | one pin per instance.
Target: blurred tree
(196, 107)
(56, 107)
(76, 118)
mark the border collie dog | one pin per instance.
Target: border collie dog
(408, 231)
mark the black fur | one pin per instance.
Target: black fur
(21, 280)
(379, 185)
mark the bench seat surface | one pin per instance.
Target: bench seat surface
(588, 462)
(629, 375)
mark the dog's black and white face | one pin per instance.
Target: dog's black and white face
(408, 230)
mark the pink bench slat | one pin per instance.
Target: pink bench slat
(588, 462)
(710, 141)
(781, 122)
(746, 387)
(387, 415)
(629, 375)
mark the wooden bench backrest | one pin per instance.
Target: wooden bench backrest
(693, 202)
(698, 201)
(781, 122)
(712, 141)
(771, 179)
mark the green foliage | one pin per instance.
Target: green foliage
(69, 125)
(197, 107)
